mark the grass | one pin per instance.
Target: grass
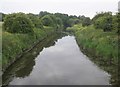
(105, 44)
(15, 44)
(101, 47)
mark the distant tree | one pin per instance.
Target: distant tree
(43, 13)
(107, 26)
(59, 24)
(115, 23)
(73, 16)
(64, 18)
(81, 18)
(103, 21)
(86, 21)
(35, 20)
(73, 21)
(101, 14)
(47, 20)
(2, 15)
(17, 23)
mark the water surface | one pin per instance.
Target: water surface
(62, 63)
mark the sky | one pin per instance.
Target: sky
(70, 7)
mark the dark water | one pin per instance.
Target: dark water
(55, 62)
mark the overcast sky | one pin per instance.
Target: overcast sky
(71, 7)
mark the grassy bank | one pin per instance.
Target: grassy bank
(15, 44)
(102, 47)
(25, 65)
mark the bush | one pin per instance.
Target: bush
(18, 23)
(47, 20)
(103, 21)
(35, 20)
(86, 22)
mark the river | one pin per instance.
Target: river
(55, 62)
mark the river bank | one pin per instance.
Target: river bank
(52, 62)
(16, 44)
(101, 47)
(23, 66)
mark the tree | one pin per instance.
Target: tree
(73, 21)
(17, 23)
(64, 18)
(47, 20)
(107, 26)
(59, 24)
(2, 15)
(35, 20)
(103, 21)
(86, 21)
(43, 13)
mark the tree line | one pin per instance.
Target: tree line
(24, 23)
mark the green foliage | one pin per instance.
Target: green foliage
(73, 21)
(2, 15)
(103, 44)
(17, 29)
(52, 21)
(86, 21)
(17, 38)
(103, 21)
(101, 14)
(102, 47)
(35, 20)
(47, 20)
(59, 24)
(17, 23)
(64, 18)
(43, 13)
(15, 44)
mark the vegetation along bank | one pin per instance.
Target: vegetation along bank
(97, 37)
(20, 31)
(100, 41)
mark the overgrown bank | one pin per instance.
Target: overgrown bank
(22, 31)
(25, 64)
(98, 37)
(15, 44)
(101, 46)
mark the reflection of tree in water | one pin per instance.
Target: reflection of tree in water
(26, 70)
(24, 66)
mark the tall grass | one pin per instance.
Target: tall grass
(15, 44)
(102, 47)
(105, 44)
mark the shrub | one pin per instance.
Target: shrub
(47, 20)
(35, 20)
(18, 23)
(103, 21)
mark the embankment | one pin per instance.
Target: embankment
(101, 47)
(16, 44)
